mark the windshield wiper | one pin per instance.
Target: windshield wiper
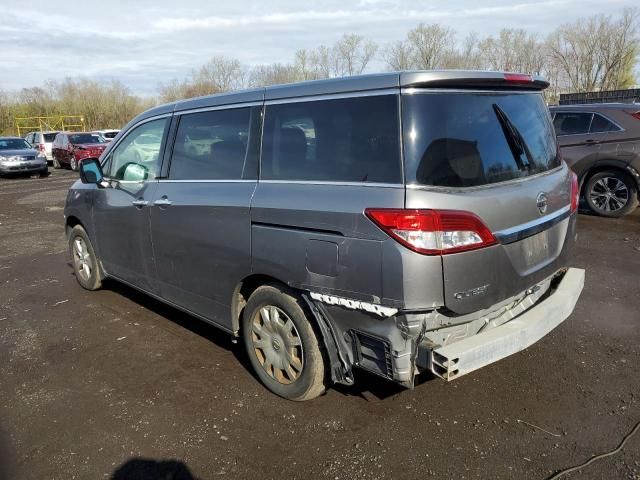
(515, 140)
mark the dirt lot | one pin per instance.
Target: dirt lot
(93, 383)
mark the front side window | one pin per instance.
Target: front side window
(474, 139)
(572, 123)
(211, 145)
(341, 140)
(137, 157)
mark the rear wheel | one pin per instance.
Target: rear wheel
(74, 163)
(611, 193)
(85, 263)
(56, 163)
(283, 348)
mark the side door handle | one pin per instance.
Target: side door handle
(163, 202)
(140, 203)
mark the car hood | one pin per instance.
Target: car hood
(20, 152)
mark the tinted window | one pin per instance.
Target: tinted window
(110, 134)
(137, 156)
(80, 138)
(574, 123)
(600, 124)
(48, 137)
(211, 145)
(345, 140)
(470, 139)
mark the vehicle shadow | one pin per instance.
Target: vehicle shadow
(367, 385)
(146, 469)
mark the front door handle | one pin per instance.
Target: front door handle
(140, 203)
(163, 202)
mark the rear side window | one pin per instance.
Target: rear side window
(574, 123)
(340, 140)
(213, 145)
(472, 139)
(601, 124)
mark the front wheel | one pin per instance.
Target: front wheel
(611, 193)
(85, 263)
(283, 348)
(56, 163)
(74, 164)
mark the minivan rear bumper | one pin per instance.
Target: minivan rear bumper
(459, 358)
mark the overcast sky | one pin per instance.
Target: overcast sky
(143, 43)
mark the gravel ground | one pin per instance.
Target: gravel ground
(112, 384)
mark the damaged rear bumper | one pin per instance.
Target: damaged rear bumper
(399, 346)
(466, 355)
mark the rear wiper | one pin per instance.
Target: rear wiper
(515, 140)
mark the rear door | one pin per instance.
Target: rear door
(493, 154)
(200, 219)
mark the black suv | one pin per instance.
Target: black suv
(601, 143)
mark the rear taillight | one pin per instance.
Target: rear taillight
(575, 192)
(635, 115)
(518, 77)
(41, 147)
(433, 232)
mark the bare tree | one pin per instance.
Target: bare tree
(597, 53)
(514, 50)
(273, 74)
(351, 54)
(399, 55)
(431, 44)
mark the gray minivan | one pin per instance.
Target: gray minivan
(399, 223)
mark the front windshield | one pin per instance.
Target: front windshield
(80, 138)
(14, 144)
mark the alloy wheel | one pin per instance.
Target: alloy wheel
(609, 194)
(277, 344)
(82, 258)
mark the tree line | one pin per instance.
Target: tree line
(599, 52)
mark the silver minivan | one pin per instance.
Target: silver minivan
(399, 223)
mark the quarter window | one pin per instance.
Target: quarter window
(601, 124)
(213, 146)
(341, 140)
(137, 157)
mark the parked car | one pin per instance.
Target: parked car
(69, 148)
(18, 156)
(42, 141)
(315, 240)
(108, 134)
(601, 143)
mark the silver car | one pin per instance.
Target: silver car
(18, 157)
(397, 223)
(42, 142)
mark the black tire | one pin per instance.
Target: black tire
(611, 193)
(56, 163)
(309, 373)
(93, 279)
(74, 164)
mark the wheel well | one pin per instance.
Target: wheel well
(598, 169)
(242, 293)
(72, 222)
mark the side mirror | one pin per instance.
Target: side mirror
(91, 172)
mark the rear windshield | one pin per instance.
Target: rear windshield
(49, 137)
(470, 139)
(110, 134)
(79, 138)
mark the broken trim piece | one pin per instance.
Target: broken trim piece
(384, 312)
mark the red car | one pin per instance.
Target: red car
(70, 148)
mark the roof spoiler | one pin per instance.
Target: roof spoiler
(472, 79)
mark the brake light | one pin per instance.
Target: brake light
(635, 115)
(575, 192)
(433, 232)
(518, 77)
(41, 147)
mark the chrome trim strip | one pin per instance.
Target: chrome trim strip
(524, 230)
(228, 106)
(334, 96)
(170, 180)
(337, 184)
(491, 91)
